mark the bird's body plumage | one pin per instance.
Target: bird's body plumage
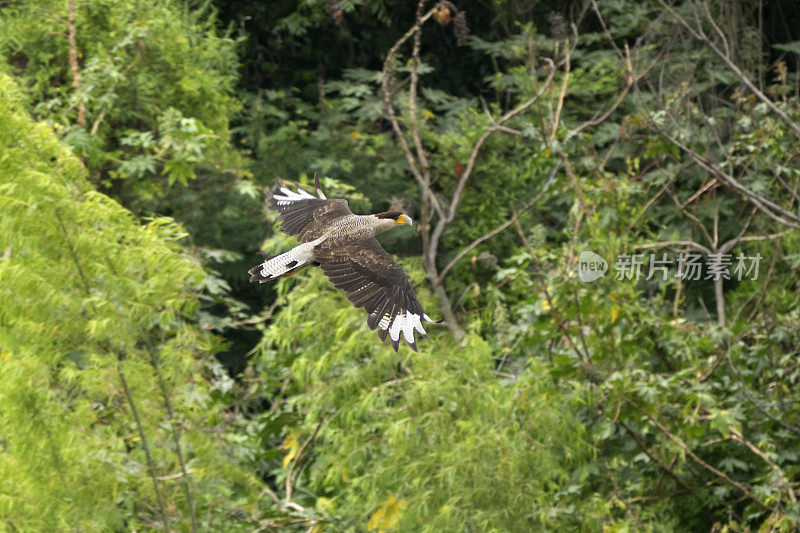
(343, 244)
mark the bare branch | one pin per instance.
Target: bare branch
(97, 122)
(573, 181)
(451, 211)
(642, 446)
(176, 475)
(648, 204)
(738, 437)
(752, 238)
(708, 185)
(717, 29)
(413, 164)
(663, 244)
(693, 218)
(272, 495)
(766, 206)
(412, 97)
(605, 28)
(688, 451)
(447, 216)
(499, 228)
(73, 62)
(561, 94)
(419, 165)
(701, 36)
(259, 319)
(629, 81)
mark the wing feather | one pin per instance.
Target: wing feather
(381, 310)
(371, 279)
(303, 215)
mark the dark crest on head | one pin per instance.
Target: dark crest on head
(389, 214)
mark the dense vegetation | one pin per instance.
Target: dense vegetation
(145, 384)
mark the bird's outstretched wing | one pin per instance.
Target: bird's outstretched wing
(304, 215)
(371, 279)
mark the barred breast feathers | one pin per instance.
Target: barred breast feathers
(354, 228)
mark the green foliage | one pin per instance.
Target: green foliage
(617, 405)
(152, 80)
(100, 361)
(642, 366)
(156, 81)
(436, 430)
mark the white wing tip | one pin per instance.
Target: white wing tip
(408, 327)
(287, 195)
(394, 329)
(406, 323)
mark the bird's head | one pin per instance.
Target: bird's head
(397, 217)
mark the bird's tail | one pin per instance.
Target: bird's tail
(284, 265)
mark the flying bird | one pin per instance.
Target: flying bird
(343, 244)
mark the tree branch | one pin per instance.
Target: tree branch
(738, 437)
(126, 390)
(556, 316)
(176, 437)
(662, 244)
(693, 218)
(629, 81)
(73, 62)
(642, 446)
(412, 97)
(496, 126)
(701, 36)
(766, 206)
(387, 102)
(561, 95)
(140, 429)
(294, 466)
(499, 228)
(688, 451)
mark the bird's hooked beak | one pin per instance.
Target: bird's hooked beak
(405, 219)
